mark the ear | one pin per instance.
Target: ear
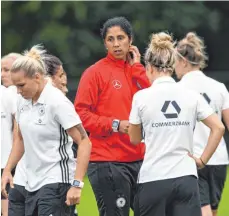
(131, 41)
(105, 45)
(37, 77)
(150, 68)
(185, 63)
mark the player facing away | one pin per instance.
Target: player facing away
(167, 113)
(191, 59)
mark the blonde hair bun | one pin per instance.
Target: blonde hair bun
(192, 48)
(160, 52)
(190, 36)
(161, 41)
(32, 61)
(194, 40)
(36, 52)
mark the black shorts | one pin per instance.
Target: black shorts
(114, 185)
(49, 200)
(17, 197)
(170, 197)
(8, 186)
(211, 184)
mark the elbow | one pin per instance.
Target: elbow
(135, 136)
(89, 144)
(221, 129)
(85, 143)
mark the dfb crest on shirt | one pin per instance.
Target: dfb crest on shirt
(41, 110)
(121, 202)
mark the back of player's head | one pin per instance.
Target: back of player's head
(192, 48)
(12, 55)
(160, 52)
(52, 63)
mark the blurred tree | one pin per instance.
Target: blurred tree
(71, 30)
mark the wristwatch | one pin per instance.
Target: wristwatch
(115, 125)
(78, 184)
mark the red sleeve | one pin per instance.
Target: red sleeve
(87, 97)
(139, 75)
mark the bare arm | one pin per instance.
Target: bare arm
(217, 131)
(16, 154)
(225, 114)
(135, 133)
(17, 150)
(80, 137)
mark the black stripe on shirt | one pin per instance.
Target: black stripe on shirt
(61, 155)
(66, 156)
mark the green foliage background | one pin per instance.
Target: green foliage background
(71, 29)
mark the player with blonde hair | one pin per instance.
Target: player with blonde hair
(47, 126)
(191, 60)
(167, 113)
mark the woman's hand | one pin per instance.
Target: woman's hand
(135, 54)
(199, 163)
(7, 178)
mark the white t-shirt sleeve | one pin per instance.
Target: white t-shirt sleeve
(18, 100)
(13, 103)
(203, 108)
(11, 100)
(66, 115)
(225, 98)
(135, 117)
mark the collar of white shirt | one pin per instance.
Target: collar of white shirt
(164, 79)
(193, 73)
(44, 93)
(41, 99)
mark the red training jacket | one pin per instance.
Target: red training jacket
(105, 93)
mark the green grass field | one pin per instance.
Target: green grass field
(88, 204)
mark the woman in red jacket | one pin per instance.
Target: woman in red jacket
(103, 101)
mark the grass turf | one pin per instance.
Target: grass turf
(88, 204)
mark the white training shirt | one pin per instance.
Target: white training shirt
(20, 177)
(168, 114)
(13, 89)
(216, 94)
(10, 98)
(8, 109)
(48, 153)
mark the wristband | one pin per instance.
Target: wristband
(202, 161)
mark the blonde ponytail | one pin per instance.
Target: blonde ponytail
(31, 62)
